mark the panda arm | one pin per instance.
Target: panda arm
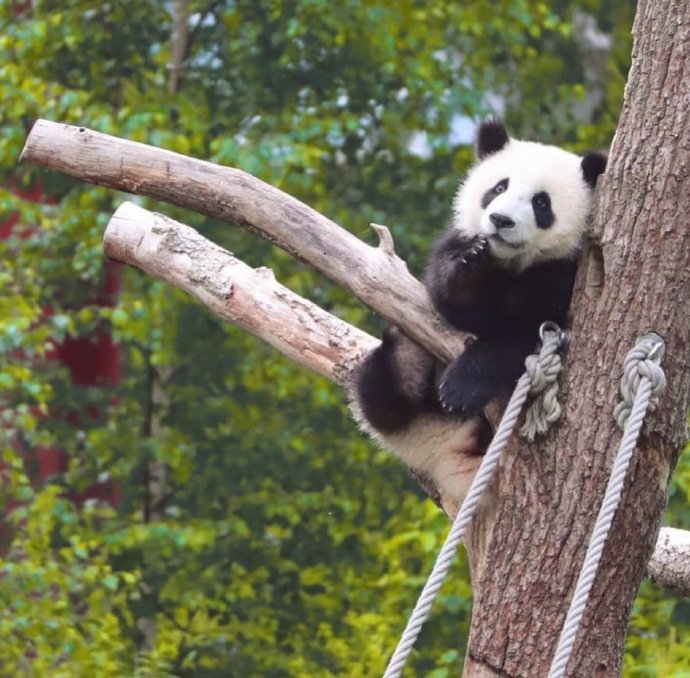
(465, 284)
(492, 365)
(489, 368)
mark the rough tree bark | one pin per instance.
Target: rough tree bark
(635, 278)
(529, 545)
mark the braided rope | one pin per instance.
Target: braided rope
(641, 384)
(543, 363)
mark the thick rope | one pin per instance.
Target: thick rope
(544, 362)
(642, 382)
(545, 410)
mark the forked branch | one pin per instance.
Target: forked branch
(373, 274)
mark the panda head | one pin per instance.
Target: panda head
(530, 201)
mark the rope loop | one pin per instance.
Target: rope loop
(641, 365)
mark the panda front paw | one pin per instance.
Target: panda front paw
(462, 391)
(457, 399)
(457, 269)
(472, 251)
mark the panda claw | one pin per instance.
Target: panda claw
(441, 399)
(481, 245)
(474, 252)
(447, 407)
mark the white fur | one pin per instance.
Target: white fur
(441, 448)
(531, 167)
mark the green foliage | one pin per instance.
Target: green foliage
(62, 604)
(286, 544)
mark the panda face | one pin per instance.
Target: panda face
(531, 201)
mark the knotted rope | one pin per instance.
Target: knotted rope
(541, 365)
(545, 410)
(641, 384)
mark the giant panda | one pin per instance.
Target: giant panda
(506, 264)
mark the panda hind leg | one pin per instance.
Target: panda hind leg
(395, 382)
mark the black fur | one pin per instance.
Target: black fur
(473, 293)
(491, 137)
(593, 165)
(390, 398)
(487, 369)
(503, 308)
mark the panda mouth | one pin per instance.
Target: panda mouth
(498, 238)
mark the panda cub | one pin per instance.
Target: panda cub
(506, 265)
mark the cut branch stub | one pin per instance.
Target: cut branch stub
(386, 244)
(670, 563)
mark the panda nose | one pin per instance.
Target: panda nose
(501, 220)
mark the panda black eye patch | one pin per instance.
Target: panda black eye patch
(500, 187)
(543, 214)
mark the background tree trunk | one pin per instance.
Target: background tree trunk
(527, 552)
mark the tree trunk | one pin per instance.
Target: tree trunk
(178, 42)
(527, 552)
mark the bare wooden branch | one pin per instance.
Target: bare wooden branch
(670, 562)
(374, 274)
(250, 298)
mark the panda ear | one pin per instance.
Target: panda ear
(593, 164)
(491, 137)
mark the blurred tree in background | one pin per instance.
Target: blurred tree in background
(253, 531)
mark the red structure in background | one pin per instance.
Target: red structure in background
(93, 360)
